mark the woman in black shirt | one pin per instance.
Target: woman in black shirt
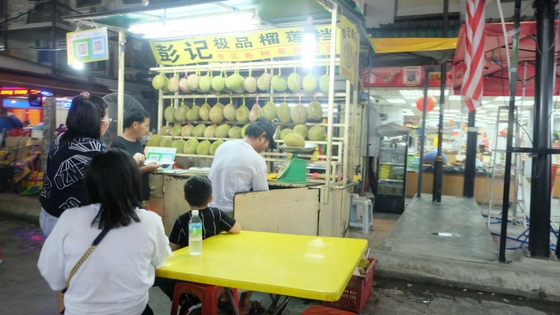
(70, 155)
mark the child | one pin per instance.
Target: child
(198, 194)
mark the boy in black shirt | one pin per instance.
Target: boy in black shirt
(136, 125)
(198, 194)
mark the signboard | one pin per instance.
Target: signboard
(259, 45)
(17, 92)
(87, 46)
(349, 44)
(401, 77)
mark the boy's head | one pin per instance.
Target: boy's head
(137, 121)
(198, 191)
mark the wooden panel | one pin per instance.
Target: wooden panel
(290, 211)
(174, 204)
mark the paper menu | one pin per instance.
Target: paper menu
(161, 156)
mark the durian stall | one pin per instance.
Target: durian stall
(211, 87)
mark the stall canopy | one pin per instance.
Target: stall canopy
(57, 85)
(496, 77)
(402, 52)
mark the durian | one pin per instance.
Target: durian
(294, 82)
(269, 110)
(263, 83)
(294, 140)
(283, 112)
(309, 83)
(229, 112)
(169, 114)
(194, 113)
(217, 113)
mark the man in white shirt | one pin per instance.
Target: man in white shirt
(238, 166)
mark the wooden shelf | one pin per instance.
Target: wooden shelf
(229, 122)
(227, 139)
(279, 95)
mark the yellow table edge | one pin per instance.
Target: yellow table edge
(331, 296)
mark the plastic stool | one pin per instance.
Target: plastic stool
(208, 295)
(323, 310)
(362, 208)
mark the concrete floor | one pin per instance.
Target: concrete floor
(24, 292)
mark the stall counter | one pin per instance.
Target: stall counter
(285, 208)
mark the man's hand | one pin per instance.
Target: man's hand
(150, 168)
(139, 158)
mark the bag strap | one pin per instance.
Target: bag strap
(88, 252)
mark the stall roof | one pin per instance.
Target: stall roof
(401, 52)
(273, 13)
(56, 84)
(496, 76)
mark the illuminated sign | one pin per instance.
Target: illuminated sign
(17, 92)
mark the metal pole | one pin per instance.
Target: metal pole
(120, 91)
(539, 229)
(330, 115)
(53, 37)
(511, 117)
(438, 162)
(368, 164)
(49, 125)
(470, 163)
(423, 136)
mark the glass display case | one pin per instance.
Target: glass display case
(391, 174)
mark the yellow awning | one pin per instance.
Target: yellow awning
(411, 44)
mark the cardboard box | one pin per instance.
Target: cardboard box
(19, 147)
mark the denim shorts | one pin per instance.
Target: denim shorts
(47, 222)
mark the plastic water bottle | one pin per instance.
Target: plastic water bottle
(195, 234)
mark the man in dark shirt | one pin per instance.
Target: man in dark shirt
(136, 125)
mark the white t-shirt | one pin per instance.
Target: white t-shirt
(116, 277)
(237, 167)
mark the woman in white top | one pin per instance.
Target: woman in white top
(116, 277)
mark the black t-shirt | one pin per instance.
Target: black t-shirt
(214, 221)
(63, 183)
(133, 148)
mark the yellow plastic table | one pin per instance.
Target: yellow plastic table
(311, 267)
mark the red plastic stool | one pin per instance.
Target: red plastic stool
(208, 295)
(323, 310)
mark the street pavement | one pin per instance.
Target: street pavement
(23, 290)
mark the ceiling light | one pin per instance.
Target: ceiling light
(408, 112)
(411, 94)
(309, 44)
(505, 98)
(484, 102)
(451, 110)
(437, 92)
(225, 22)
(455, 97)
(78, 65)
(396, 101)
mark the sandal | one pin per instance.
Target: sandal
(256, 308)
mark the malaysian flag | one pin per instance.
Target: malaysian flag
(474, 55)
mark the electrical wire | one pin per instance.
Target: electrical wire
(39, 6)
